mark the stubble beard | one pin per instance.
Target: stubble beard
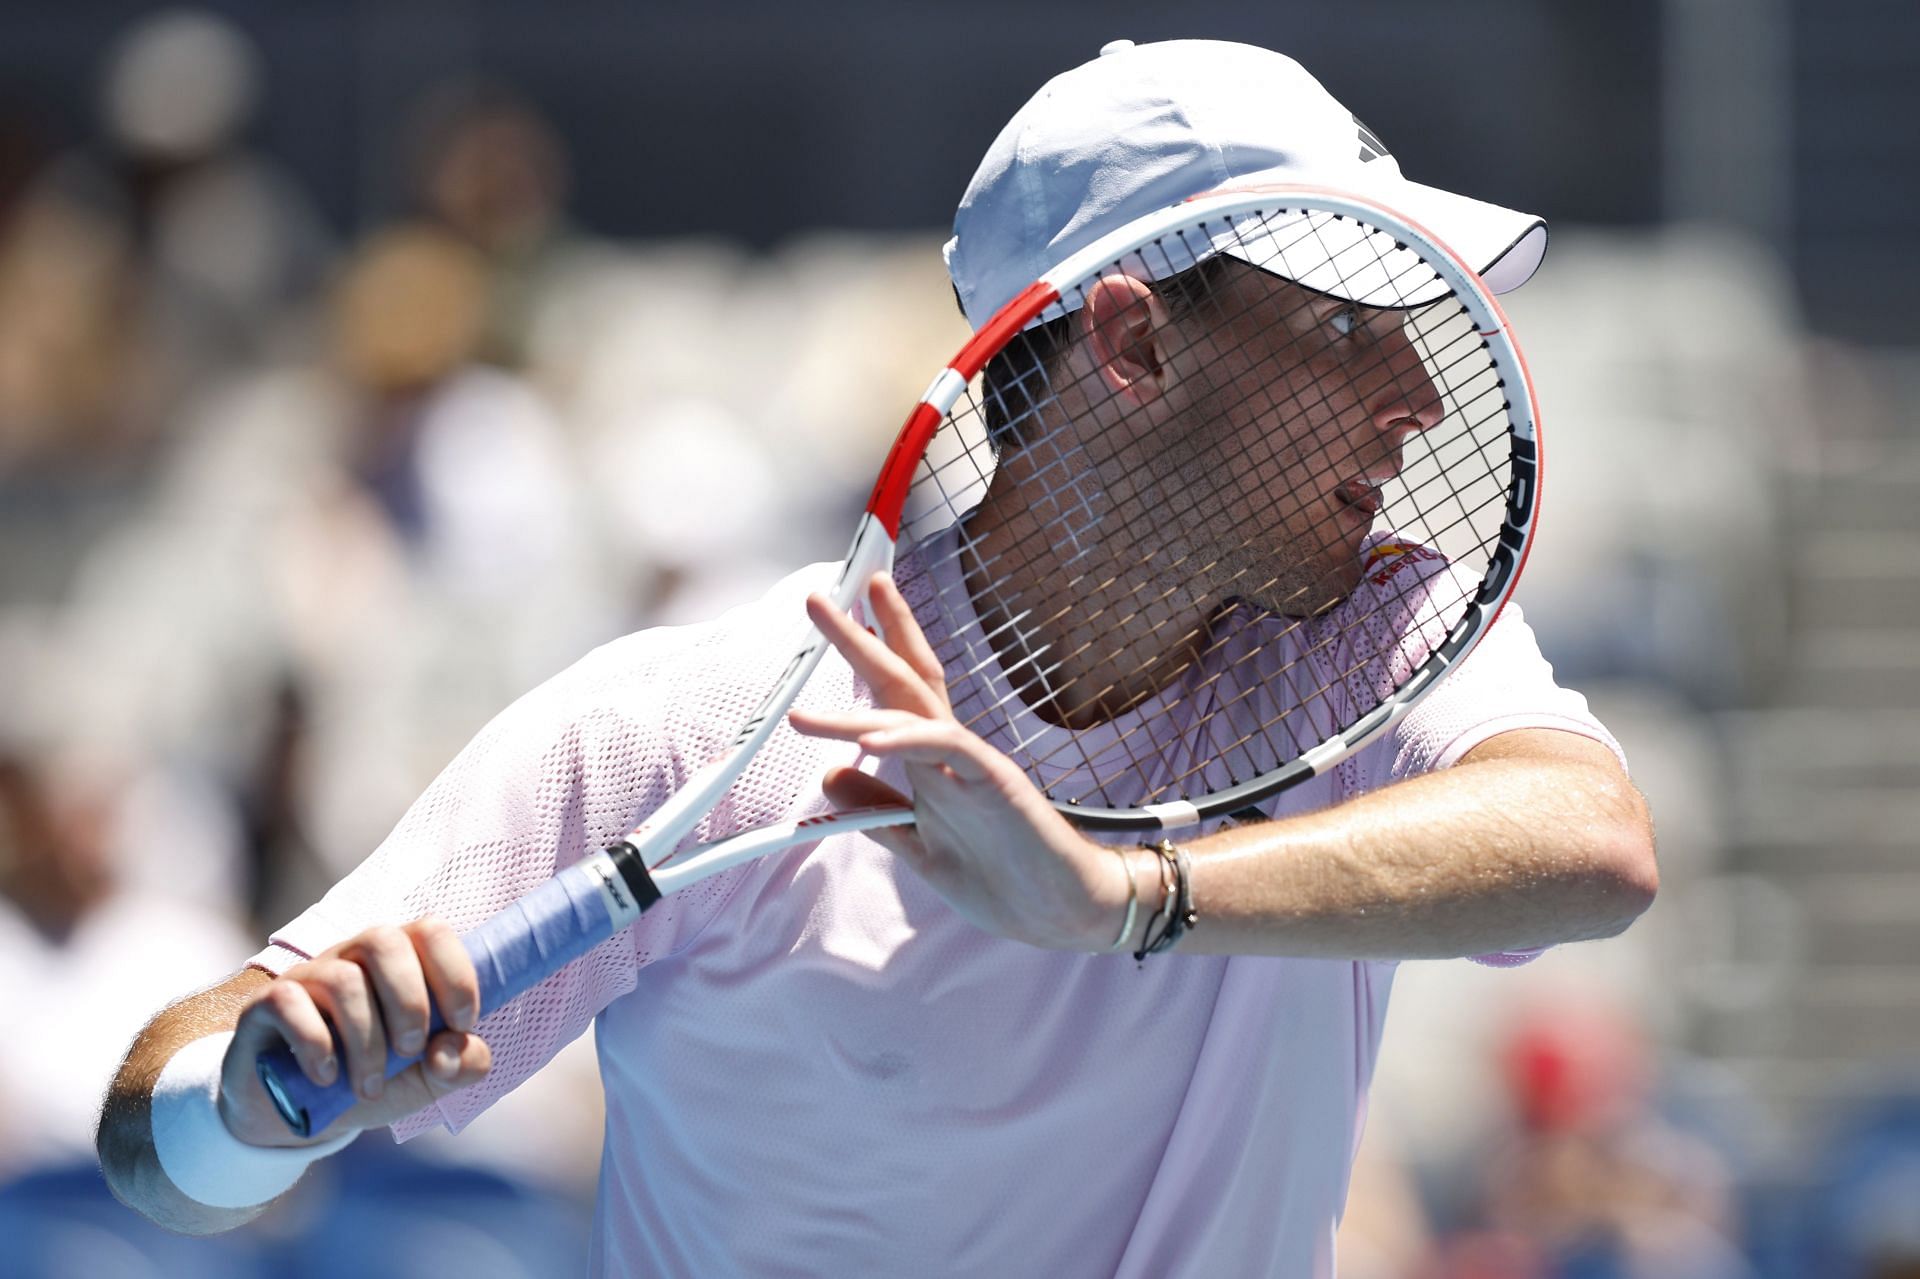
(1272, 557)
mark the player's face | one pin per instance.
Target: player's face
(1294, 410)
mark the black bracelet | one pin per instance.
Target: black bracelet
(1183, 871)
(1176, 914)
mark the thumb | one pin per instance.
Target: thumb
(847, 788)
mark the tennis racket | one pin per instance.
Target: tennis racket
(1189, 521)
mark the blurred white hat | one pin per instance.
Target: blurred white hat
(1142, 127)
(179, 83)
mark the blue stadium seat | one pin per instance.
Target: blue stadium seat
(1866, 1209)
(64, 1223)
(385, 1214)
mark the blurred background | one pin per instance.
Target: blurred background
(362, 364)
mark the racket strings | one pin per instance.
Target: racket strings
(1111, 551)
(1296, 744)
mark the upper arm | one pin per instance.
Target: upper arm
(1591, 763)
(1594, 788)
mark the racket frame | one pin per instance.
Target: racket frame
(874, 544)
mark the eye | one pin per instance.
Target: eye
(1345, 320)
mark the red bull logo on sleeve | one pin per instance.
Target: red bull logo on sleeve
(1389, 558)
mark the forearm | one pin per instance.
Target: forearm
(1497, 853)
(222, 1140)
(125, 1137)
(1534, 837)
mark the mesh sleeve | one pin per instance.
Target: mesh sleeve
(1504, 684)
(569, 768)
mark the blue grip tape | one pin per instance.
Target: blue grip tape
(522, 946)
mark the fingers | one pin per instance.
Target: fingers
(449, 972)
(917, 739)
(849, 788)
(895, 680)
(341, 1010)
(904, 636)
(342, 990)
(941, 742)
(297, 1009)
(285, 1011)
(848, 726)
(454, 1060)
(398, 1009)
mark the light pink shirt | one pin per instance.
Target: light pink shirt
(813, 1066)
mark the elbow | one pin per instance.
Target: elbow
(1630, 872)
(1631, 893)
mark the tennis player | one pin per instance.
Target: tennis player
(825, 1062)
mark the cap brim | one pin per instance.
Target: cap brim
(1505, 246)
(1346, 259)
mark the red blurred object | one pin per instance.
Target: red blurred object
(1574, 1068)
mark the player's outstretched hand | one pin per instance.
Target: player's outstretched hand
(983, 834)
(374, 988)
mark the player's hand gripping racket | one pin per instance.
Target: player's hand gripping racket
(1192, 519)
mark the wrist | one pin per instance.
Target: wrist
(1175, 914)
(199, 1153)
(1129, 898)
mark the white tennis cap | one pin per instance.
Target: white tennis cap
(1142, 127)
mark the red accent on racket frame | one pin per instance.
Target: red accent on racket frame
(896, 475)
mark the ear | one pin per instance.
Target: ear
(1125, 328)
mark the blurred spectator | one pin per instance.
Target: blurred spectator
(92, 854)
(229, 243)
(342, 571)
(130, 274)
(345, 569)
(490, 170)
(67, 349)
(723, 385)
(1590, 1178)
(1385, 1232)
(476, 573)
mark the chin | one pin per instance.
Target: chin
(1311, 584)
(1310, 597)
(1333, 592)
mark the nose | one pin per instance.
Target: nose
(1408, 402)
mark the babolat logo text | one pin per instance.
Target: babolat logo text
(610, 885)
(1526, 472)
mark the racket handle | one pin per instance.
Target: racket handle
(517, 949)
